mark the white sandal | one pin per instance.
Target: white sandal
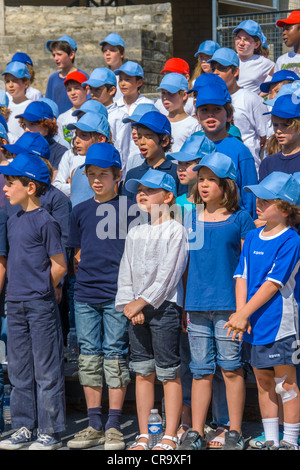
(160, 445)
(137, 443)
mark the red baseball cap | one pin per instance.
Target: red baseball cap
(176, 65)
(293, 18)
(76, 76)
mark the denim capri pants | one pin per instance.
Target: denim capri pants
(209, 344)
(155, 344)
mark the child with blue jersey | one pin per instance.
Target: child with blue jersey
(34, 340)
(150, 294)
(101, 330)
(216, 231)
(267, 313)
(215, 112)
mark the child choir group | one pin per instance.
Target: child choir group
(167, 229)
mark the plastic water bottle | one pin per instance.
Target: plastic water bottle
(6, 404)
(72, 346)
(154, 428)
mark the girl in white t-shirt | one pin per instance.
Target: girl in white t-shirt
(254, 66)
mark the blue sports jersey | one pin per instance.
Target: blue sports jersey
(275, 259)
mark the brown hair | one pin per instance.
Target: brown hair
(39, 185)
(48, 124)
(95, 136)
(293, 217)
(5, 112)
(62, 46)
(230, 194)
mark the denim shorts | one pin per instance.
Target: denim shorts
(154, 345)
(209, 344)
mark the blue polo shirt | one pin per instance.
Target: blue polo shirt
(99, 230)
(136, 173)
(56, 91)
(276, 259)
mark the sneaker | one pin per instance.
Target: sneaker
(86, 438)
(192, 441)
(233, 441)
(269, 445)
(284, 445)
(114, 440)
(259, 441)
(46, 442)
(17, 440)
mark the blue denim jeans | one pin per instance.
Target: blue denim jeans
(36, 365)
(102, 334)
(154, 345)
(210, 346)
(1, 399)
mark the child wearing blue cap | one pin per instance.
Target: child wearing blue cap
(286, 124)
(63, 52)
(255, 68)
(205, 52)
(101, 330)
(267, 313)
(173, 88)
(216, 228)
(215, 113)
(248, 107)
(16, 77)
(35, 345)
(154, 141)
(113, 49)
(31, 92)
(151, 300)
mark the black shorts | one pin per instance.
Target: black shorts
(267, 356)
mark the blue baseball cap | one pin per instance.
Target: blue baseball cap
(195, 147)
(297, 178)
(207, 47)
(213, 94)
(17, 69)
(92, 106)
(65, 38)
(36, 111)
(139, 111)
(131, 68)
(92, 122)
(153, 179)
(225, 56)
(250, 26)
(31, 166)
(3, 122)
(207, 79)
(114, 39)
(4, 101)
(287, 89)
(155, 121)
(277, 185)
(3, 133)
(22, 57)
(286, 106)
(220, 164)
(103, 155)
(30, 142)
(52, 105)
(173, 82)
(101, 76)
(279, 77)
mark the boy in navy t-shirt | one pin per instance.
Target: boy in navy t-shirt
(267, 312)
(35, 345)
(97, 235)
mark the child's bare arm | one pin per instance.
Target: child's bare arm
(58, 268)
(3, 262)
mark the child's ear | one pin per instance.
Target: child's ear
(72, 55)
(31, 188)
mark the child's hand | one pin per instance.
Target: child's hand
(237, 324)
(133, 308)
(138, 319)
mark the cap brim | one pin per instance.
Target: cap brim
(169, 88)
(132, 185)
(265, 87)
(31, 117)
(259, 191)
(181, 157)
(81, 126)
(211, 100)
(100, 163)
(151, 126)
(13, 148)
(9, 170)
(216, 170)
(221, 61)
(281, 23)
(94, 83)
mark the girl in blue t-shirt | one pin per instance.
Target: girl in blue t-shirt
(216, 230)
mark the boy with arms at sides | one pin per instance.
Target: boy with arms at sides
(291, 38)
(214, 111)
(267, 305)
(94, 293)
(35, 343)
(63, 52)
(113, 49)
(154, 141)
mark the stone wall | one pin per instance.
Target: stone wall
(146, 30)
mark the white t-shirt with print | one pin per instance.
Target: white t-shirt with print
(288, 61)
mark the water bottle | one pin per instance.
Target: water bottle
(72, 346)
(6, 404)
(154, 428)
